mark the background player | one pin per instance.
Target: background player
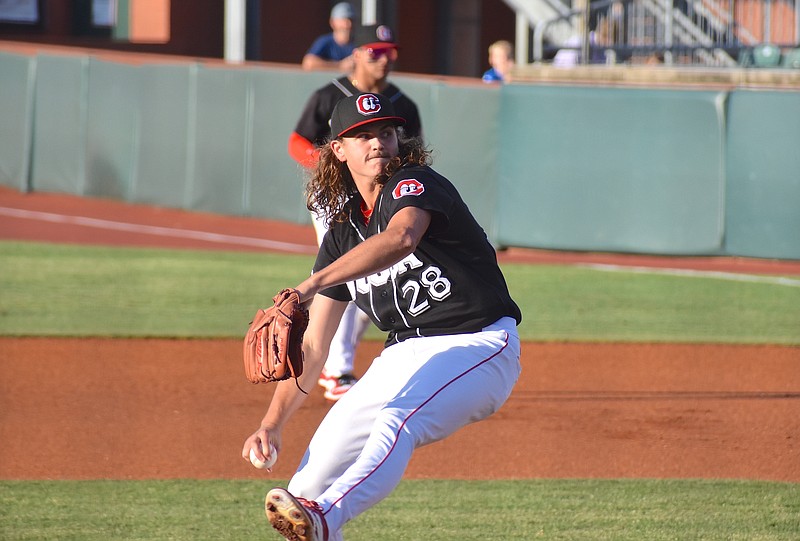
(404, 246)
(333, 50)
(374, 58)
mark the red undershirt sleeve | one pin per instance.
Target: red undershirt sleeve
(302, 150)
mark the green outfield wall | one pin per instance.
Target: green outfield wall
(17, 85)
(613, 169)
(572, 167)
(762, 190)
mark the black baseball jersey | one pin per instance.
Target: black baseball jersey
(314, 121)
(450, 284)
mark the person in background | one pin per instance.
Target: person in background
(334, 50)
(601, 41)
(656, 58)
(373, 58)
(501, 58)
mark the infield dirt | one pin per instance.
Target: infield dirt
(131, 409)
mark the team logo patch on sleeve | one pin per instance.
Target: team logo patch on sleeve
(408, 186)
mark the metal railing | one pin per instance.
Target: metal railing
(685, 32)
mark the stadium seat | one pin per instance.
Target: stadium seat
(791, 59)
(766, 55)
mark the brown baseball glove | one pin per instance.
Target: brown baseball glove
(273, 345)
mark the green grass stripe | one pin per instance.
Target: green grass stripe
(67, 290)
(430, 510)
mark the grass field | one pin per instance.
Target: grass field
(623, 510)
(60, 290)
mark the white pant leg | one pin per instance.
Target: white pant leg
(320, 227)
(336, 443)
(417, 392)
(342, 353)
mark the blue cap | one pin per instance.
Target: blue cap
(342, 10)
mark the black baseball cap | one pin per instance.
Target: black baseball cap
(374, 35)
(360, 109)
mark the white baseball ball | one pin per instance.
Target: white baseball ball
(271, 458)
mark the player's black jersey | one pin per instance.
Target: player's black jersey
(450, 284)
(313, 122)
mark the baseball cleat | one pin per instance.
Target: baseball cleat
(336, 386)
(296, 519)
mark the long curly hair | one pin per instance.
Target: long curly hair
(331, 185)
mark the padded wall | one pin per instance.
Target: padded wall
(611, 169)
(276, 182)
(572, 168)
(17, 76)
(60, 124)
(763, 172)
(113, 129)
(164, 150)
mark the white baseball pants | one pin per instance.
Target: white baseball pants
(415, 393)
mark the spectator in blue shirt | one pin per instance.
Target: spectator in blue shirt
(501, 58)
(334, 51)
